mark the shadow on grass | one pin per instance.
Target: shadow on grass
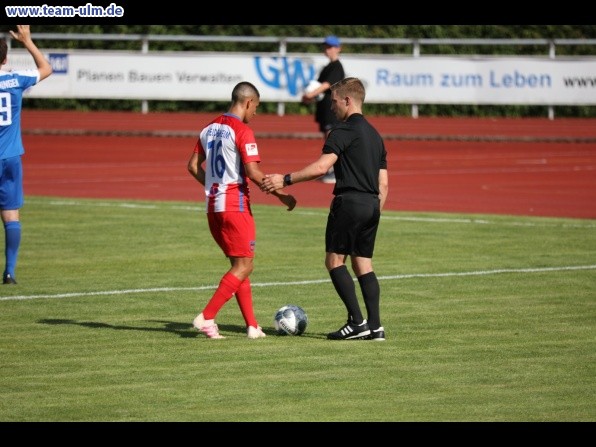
(184, 330)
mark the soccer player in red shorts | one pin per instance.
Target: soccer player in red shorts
(228, 149)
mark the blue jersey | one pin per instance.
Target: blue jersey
(12, 86)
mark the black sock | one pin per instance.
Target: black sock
(345, 288)
(371, 292)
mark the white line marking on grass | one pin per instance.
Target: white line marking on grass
(492, 272)
(294, 283)
(517, 170)
(579, 223)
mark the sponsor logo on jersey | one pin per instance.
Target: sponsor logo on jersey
(251, 149)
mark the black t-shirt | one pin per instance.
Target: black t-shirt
(332, 72)
(361, 154)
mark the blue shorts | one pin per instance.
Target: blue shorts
(11, 183)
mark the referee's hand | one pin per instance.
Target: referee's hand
(272, 182)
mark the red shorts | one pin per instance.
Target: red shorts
(234, 232)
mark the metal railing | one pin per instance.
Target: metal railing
(283, 42)
(416, 44)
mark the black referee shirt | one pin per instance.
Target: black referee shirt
(361, 154)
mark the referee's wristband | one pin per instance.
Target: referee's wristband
(287, 180)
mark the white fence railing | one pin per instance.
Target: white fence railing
(408, 78)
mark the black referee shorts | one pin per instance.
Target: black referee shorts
(352, 224)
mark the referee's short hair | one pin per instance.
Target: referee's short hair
(352, 87)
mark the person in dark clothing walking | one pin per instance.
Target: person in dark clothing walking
(356, 151)
(329, 75)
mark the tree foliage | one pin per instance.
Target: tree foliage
(546, 32)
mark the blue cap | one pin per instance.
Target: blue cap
(332, 41)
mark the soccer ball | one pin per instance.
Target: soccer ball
(290, 320)
(311, 87)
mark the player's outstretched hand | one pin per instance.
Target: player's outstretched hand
(23, 34)
(288, 200)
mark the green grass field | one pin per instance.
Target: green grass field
(488, 318)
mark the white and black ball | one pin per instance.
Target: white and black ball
(290, 320)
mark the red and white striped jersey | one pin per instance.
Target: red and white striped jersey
(227, 144)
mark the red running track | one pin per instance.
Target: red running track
(533, 167)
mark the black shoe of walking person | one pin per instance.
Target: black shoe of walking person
(351, 331)
(8, 279)
(377, 334)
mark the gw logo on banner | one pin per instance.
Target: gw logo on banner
(59, 62)
(285, 73)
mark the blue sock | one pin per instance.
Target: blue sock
(12, 231)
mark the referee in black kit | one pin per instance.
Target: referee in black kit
(356, 151)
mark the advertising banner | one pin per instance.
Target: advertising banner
(194, 76)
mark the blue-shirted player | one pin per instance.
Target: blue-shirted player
(12, 86)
